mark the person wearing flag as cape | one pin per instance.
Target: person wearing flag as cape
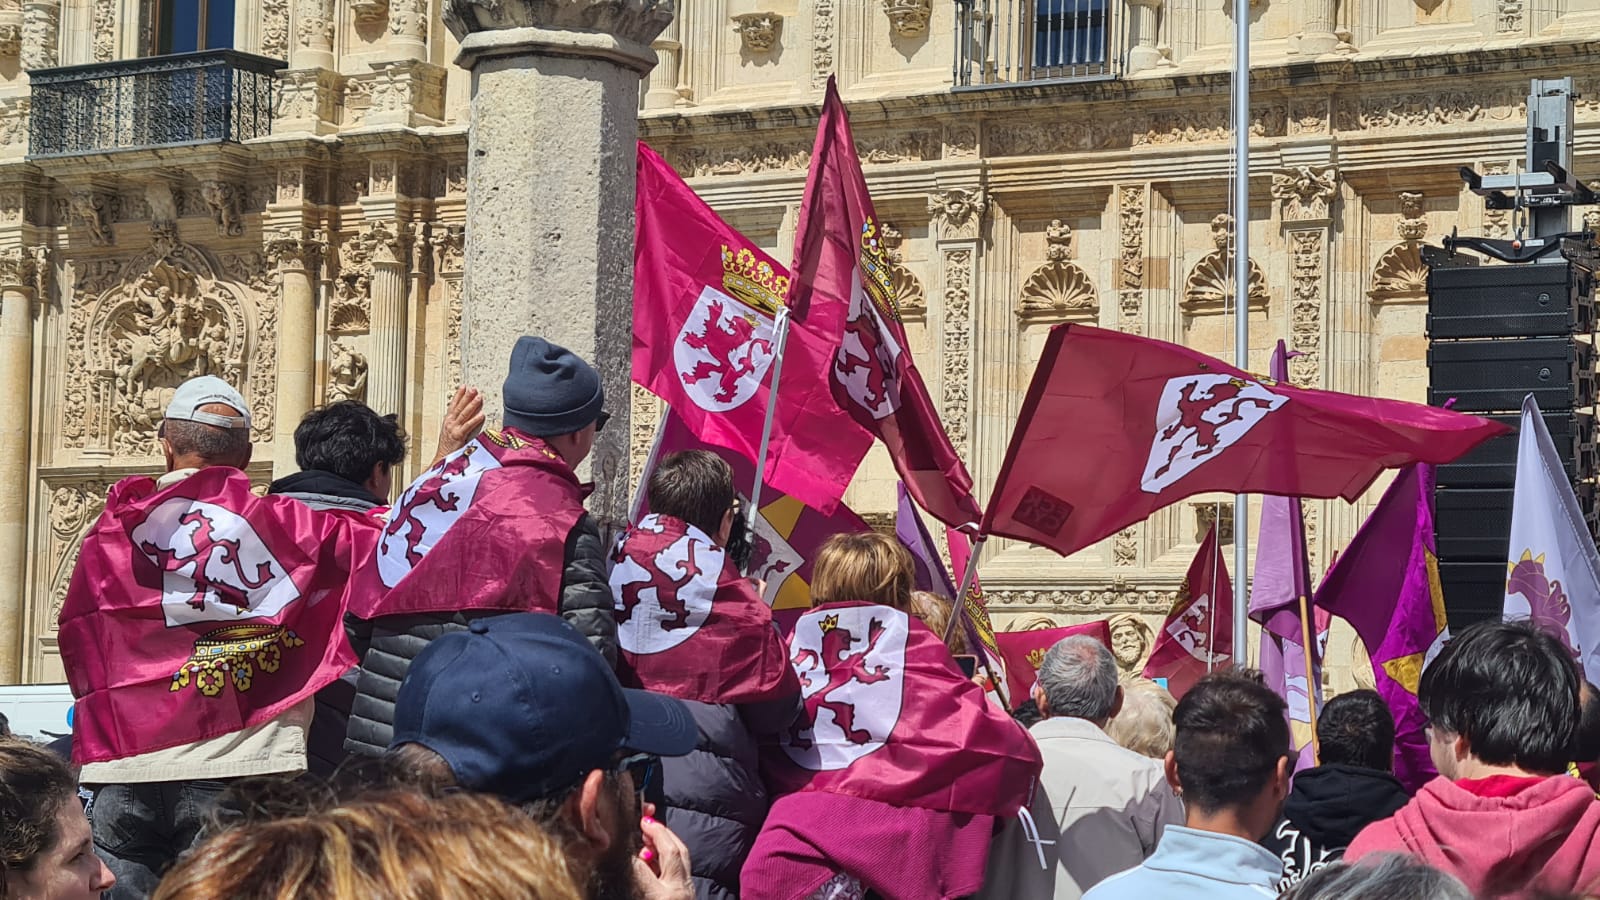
(893, 777)
(199, 622)
(495, 527)
(690, 626)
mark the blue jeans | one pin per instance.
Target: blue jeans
(139, 829)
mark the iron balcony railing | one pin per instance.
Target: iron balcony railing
(1000, 42)
(161, 101)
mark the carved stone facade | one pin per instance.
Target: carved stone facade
(1005, 212)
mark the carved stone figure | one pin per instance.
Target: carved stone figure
(1131, 642)
(759, 30)
(91, 210)
(908, 18)
(958, 212)
(1305, 191)
(225, 200)
(347, 373)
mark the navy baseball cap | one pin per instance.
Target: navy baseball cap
(521, 706)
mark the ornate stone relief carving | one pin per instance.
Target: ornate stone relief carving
(225, 200)
(1157, 128)
(1425, 110)
(1591, 220)
(1305, 192)
(92, 210)
(639, 21)
(316, 24)
(1496, 222)
(448, 246)
(1125, 547)
(1307, 252)
(908, 18)
(294, 249)
(1120, 594)
(104, 24)
(1400, 272)
(644, 414)
(957, 330)
(139, 327)
(275, 29)
(699, 160)
(73, 508)
(1131, 200)
(369, 12)
(1209, 287)
(309, 94)
(960, 142)
(347, 372)
(14, 121)
(41, 34)
(10, 34)
(1059, 289)
(758, 31)
(908, 294)
(1213, 513)
(1508, 16)
(958, 212)
(902, 146)
(821, 42)
(409, 18)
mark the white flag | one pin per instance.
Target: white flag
(1553, 575)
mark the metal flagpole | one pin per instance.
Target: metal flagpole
(780, 337)
(1241, 304)
(967, 578)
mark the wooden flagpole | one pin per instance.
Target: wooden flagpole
(780, 338)
(1311, 674)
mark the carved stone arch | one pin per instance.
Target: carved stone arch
(1059, 289)
(1209, 287)
(1400, 274)
(139, 329)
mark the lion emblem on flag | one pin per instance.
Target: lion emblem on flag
(866, 362)
(663, 586)
(723, 351)
(214, 566)
(1192, 630)
(1198, 417)
(851, 664)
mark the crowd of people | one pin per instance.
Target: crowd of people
(575, 721)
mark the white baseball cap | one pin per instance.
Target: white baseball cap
(197, 392)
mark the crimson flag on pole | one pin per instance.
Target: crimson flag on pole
(1116, 426)
(1023, 652)
(1198, 634)
(844, 288)
(704, 306)
(199, 609)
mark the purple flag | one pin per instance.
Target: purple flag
(1386, 585)
(931, 575)
(1282, 581)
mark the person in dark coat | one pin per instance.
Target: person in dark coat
(1329, 804)
(713, 798)
(550, 394)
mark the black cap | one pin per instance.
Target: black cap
(521, 706)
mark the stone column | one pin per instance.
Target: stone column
(663, 80)
(386, 337)
(1317, 33)
(408, 29)
(958, 215)
(16, 426)
(550, 188)
(299, 255)
(1143, 20)
(313, 48)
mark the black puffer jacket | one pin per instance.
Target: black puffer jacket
(715, 800)
(388, 644)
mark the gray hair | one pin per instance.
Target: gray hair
(1144, 724)
(1388, 877)
(1079, 678)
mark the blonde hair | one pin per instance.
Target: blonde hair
(865, 566)
(397, 844)
(1144, 724)
(935, 612)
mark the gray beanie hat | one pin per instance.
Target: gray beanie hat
(550, 390)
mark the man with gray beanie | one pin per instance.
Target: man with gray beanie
(1099, 808)
(495, 527)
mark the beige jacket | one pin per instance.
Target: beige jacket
(273, 747)
(1099, 809)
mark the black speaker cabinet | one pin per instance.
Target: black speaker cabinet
(1473, 591)
(1493, 463)
(1530, 300)
(1494, 376)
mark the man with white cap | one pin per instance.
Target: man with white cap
(152, 806)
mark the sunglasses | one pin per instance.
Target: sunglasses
(645, 769)
(600, 422)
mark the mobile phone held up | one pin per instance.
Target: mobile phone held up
(968, 664)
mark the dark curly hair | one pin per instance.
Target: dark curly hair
(33, 784)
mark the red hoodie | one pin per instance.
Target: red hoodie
(1544, 837)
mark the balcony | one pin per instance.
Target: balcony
(1008, 42)
(216, 96)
